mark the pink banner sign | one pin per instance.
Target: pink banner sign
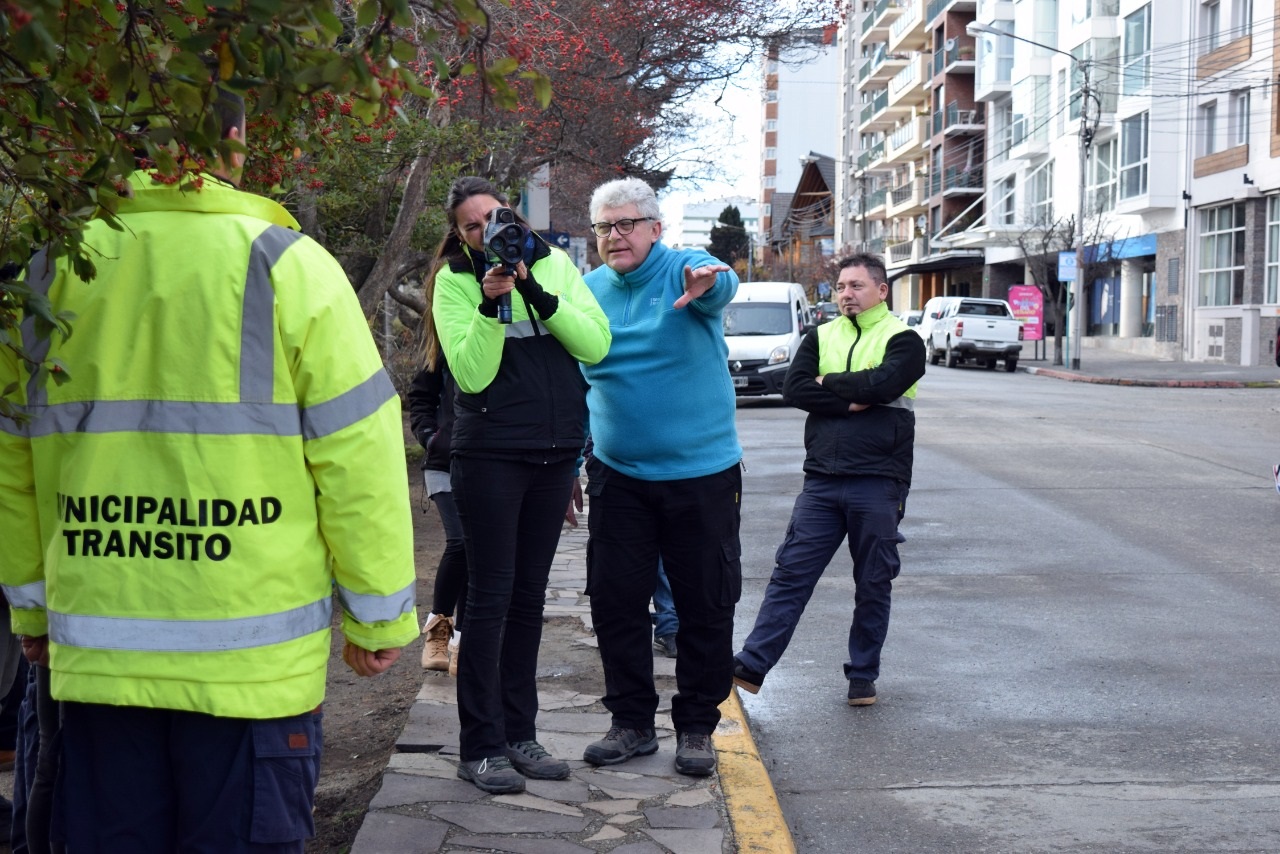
(1028, 306)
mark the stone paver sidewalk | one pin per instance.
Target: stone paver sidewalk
(640, 807)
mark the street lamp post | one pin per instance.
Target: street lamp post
(1075, 311)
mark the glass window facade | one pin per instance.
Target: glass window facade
(1222, 255)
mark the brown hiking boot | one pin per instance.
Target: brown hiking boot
(435, 650)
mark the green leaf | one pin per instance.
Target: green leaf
(367, 13)
(28, 166)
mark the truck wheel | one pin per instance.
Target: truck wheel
(953, 358)
(989, 364)
(1010, 365)
(934, 356)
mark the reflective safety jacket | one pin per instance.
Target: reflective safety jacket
(227, 455)
(872, 358)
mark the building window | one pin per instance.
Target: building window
(1209, 26)
(766, 210)
(1102, 177)
(1273, 250)
(1040, 195)
(1137, 51)
(770, 181)
(1238, 118)
(1207, 128)
(771, 95)
(1242, 18)
(1005, 202)
(771, 153)
(771, 125)
(1222, 255)
(1133, 156)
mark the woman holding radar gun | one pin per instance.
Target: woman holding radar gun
(514, 319)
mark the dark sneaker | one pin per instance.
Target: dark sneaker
(694, 754)
(746, 679)
(620, 744)
(665, 645)
(493, 775)
(532, 760)
(862, 692)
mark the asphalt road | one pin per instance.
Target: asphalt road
(1083, 654)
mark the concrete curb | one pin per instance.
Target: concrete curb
(752, 804)
(1081, 378)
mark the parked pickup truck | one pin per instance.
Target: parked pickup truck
(984, 330)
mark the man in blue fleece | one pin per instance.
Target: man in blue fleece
(665, 480)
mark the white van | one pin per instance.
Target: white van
(763, 327)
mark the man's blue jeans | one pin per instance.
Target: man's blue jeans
(665, 620)
(868, 510)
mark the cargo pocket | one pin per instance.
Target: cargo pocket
(730, 571)
(286, 768)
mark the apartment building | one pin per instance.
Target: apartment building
(1232, 294)
(698, 218)
(800, 113)
(912, 144)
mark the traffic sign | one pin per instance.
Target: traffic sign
(1067, 266)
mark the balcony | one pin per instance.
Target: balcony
(907, 87)
(963, 122)
(909, 199)
(907, 32)
(937, 7)
(876, 23)
(876, 202)
(957, 59)
(907, 252)
(962, 182)
(885, 66)
(906, 141)
(875, 155)
(872, 115)
(864, 70)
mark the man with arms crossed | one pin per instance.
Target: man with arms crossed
(856, 377)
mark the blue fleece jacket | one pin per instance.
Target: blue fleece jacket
(661, 401)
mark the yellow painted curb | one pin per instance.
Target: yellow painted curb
(754, 812)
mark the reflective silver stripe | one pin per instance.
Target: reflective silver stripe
(258, 323)
(520, 329)
(167, 416)
(40, 273)
(8, 425)
(144, 635)
(367, 608)
(27, 596)
(902, 403)
(347, 408)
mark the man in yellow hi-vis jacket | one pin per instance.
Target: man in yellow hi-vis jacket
(177, 518)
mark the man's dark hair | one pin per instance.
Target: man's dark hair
(873, 264)
(229, 108)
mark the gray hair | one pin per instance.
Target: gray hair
(622, 192)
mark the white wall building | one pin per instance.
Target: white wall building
(801, 112)
(698, 218)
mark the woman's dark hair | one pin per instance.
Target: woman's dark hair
(462, 189)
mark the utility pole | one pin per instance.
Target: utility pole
(1077, 309)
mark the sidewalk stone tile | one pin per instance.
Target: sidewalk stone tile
(389, 833)
(630, 786)
(623, 819)
(479, 818)
(695, 797)
(663, 666)
(574, 722)
(565, 791)
(606, 834)
(438, 689)
(550, 699)
(400, 789)
(638, 848)
(568, 747)
(520, 846)
(682, 817)
(689, 841)
(424, 765)
(430, 728)
(533, 802)
(613, 806)
(591, 641)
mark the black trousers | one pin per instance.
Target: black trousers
(692, 525)
(511, 516)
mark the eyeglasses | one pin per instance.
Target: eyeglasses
(624, 226)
